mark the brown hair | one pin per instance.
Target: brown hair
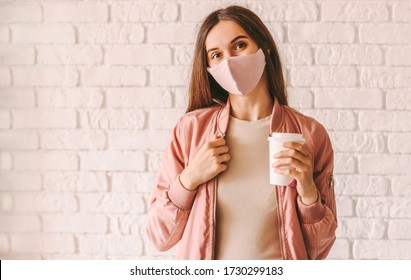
(203, 87)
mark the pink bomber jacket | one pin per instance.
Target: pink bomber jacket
(188, 217)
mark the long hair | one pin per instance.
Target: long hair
(203, 88)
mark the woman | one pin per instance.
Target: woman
(213, 194)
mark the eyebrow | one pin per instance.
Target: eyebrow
(232, 41)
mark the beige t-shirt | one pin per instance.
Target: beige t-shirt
(247, 219)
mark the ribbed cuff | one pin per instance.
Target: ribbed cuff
(180, 196)
(310, 214)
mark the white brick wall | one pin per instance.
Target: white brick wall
(89, 93)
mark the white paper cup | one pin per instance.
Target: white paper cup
(276, 141)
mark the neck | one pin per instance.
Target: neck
(256, 105)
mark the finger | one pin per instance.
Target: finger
(223, 158)
(217, 142)
(220, 150)
(293, 154)
(291, 163)
(296, 146)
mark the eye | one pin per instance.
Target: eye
(240, 45)
(215, 55)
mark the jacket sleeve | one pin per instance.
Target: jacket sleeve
(171, 203)
(319, 220)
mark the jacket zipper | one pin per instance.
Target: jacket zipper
(214, 218)
(279, 221)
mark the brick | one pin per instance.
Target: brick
(4, 34)
(12, 223)
(45, 76)
(144, 11)
(6, 202)
(180, 97)
(20, 13)
(70, 97)
(44, 202)
(321, 33)
(169, 76)
(183, 54)
(401, 11)
(114, 161)
(341, 250)
(111, 33)
(360, 228)
(391, 164)
(154, 161)
(334, 119)
(349, 55)
(309, 76)
(277, 32)
(75, 223)
(76, 12)
(399, 229)
(354, 98)
(373, 207)
(42, 243)
(69, 55)
(300, 98)
(399, 143)
(113, 76)
(138, 98)
(112, 203)
(20, 181)
(382, 249)
(16, 55)
(296, 54)
(112, 119)
(111, 244)
(357, 142)
(344, 207)
(384, 121)
(164, 118)
(75, 181)
(177, 33)
(401, 208)
(43, 160)
(43, 33)
(138, 140)
(354, 11)
(80, 139)
(5, 119)
(19, 139)
(361, 185)
(197, 11)
(398, 99)
(344, 163)
(138, 55)
(4, 244)
(5, 77)
(44, 118)
(132, 182)
(398, 56)
(301, 11)
(401, 185)
(385, 33)
(385, 77)
(19, 256)
(269, 11)
(6, 161)
(128, 224)
(15, 98)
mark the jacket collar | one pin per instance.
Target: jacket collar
(223, 118)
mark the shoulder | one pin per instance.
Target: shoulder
(198, 119)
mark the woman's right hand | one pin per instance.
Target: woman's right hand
(206, 164)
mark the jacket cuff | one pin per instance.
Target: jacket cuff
(180, 196)
(310, 214)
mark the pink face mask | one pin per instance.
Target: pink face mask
(239, 74)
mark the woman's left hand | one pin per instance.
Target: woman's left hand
(300, 163)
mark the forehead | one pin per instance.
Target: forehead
(222, 34)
